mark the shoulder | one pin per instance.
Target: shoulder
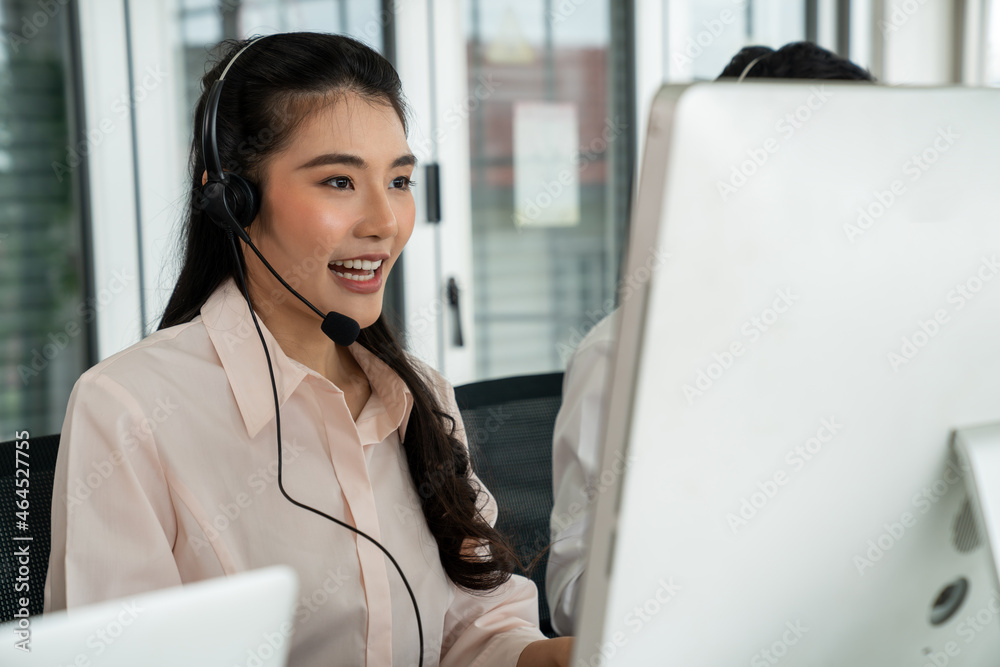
(600, 340)
(441, 388)
(118, 403)
(173, 356)
(589, 368)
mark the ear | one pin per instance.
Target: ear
(204, 177)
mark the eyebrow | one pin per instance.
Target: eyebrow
(407, 160)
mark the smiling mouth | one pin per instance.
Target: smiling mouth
(359, 270)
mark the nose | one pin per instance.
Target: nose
(379, 220)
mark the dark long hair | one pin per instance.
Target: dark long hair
(269, 91)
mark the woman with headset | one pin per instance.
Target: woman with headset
(237, 437)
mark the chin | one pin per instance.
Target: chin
(364, 317)
(364, 323)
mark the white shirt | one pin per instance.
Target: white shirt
(167, 474)
(576, 453)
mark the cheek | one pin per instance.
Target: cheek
(405, 216)
(311, 226)
(289, 218)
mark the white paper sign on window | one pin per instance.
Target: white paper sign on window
(546, 173)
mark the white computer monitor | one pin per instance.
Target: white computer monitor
(788, 383)
(245, 619)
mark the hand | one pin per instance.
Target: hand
(547, 653)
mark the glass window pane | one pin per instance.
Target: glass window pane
(44, 315)
(702, 36)
(547, 208)
(204, 23)
(992, 65)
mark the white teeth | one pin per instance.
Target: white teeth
(364, 264)
(350, 276)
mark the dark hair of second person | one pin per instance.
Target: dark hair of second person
(797, 60)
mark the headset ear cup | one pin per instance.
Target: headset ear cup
(242, 200)
(212, 200)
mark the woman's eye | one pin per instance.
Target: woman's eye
(403, 183)
(339, 182)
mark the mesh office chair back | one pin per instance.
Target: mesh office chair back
(509, 424)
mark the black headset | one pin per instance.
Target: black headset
(232, 203)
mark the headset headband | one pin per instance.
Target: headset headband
(746, 70)
(209, 145)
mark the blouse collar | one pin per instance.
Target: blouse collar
(231, 329)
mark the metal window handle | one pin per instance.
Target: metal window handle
(457, 339)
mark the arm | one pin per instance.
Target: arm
(113, 525)
(575, 458)
(555, 652)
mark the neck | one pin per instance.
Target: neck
(296, 328)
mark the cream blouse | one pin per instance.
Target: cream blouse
(167, 474)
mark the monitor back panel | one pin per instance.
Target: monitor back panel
(816, 306)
